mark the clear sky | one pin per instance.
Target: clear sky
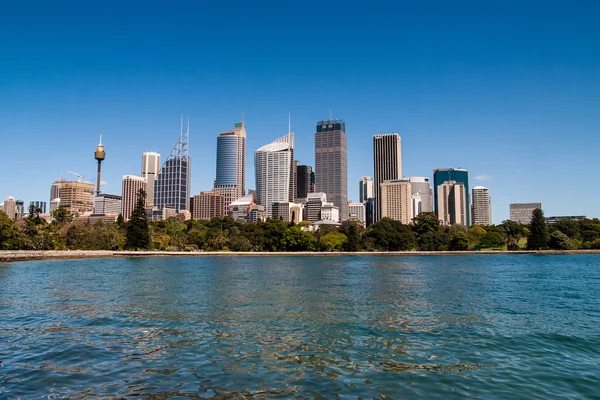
(507, 89)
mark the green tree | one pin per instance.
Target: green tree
(491, 240)
(61, 215)
(425, 222)
(138, 233)
(295, 239)
(240, 243)
(475, 234)
(560, 241)
(333, 241)
(352, 232)
(538, 239)
(435, 241)
(9, 234)
(514, 232)
(459, 241)
(569, 228)
(391, 235)
(120, 220)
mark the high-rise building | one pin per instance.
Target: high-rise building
(482, 206)
(452, 203)
(396, 200)
(330, 212)
(39, 205)
(422, 195)
(459, 175)
(356, 212)
(20, 209)
(231, 163)
(387, 164)
(208, 205)
(55, 189)
(365, 189)
(272, 164)
(294, 180)
(331, 163)
(314, 203)
(172, 186)
(303, 181)
(54, 204)
(107, 204)
(370, 211)
(522, 212)
(76, 197)
(150, 170)
(10, 207)
(131, 186)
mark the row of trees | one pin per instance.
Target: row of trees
(222, 233)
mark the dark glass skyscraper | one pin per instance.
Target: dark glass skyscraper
(303, 181)
(459, 175)
(387, 164)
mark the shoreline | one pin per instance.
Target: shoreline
(26, 255)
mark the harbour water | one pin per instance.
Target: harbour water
(497, 326)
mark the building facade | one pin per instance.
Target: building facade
(387, 164)
(458, 175)
(231, 163)
(77, 197)
(108, 204)
(150, 170)
(272, 164)
(55, 189)
(208, 205)
(303, 181)
(131, 186)
(357, 212)
(331, 163)
(422, 194)
(365, 189)
(522, 212)
(39, 205)
(481, 210)
(452, 203)
(312, 208)
(396, 200)
(10, 207)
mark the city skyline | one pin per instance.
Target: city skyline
(492, 88)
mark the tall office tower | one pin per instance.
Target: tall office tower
(231, 163)
(303, 181)
(55, 189)
(452, 203)
(396, 200)
(356, 212)
(482, 206)
(370, 211)
(421, 190)
(272, 167)
(39, 205)
(208, 205)
(131, 186)
(150, 169)
(522, 212)
(442, 175)
(172, 186)
(365, 189)
(77, 197)
(387, 164)
(20, 209)
(107, 204)
(294, 179)
(99, 155)
(10, 207)
(331, 163)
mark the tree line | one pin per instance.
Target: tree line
(222, 234)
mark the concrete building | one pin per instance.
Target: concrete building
(458, 175)
(108, 204)
(314, 203)
(522, 212)
(481, 210)
(357, 212)
(387, 164)
(10, 207)
(370, 211)
(330, 212)
(172, 185)
(304, 185)
(208, 205)
(39, 205)
(150, 170)
(452, 203)
(54, 204)
(555, 219)
(55, 189)
(230, 181)
(331, 163)
(246, 210)
(131, 186)
(20, 209)
(272, 164)
(365, 189)
(396, 200)
(422, 195)
(77, 197)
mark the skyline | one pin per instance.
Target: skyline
(497, 89)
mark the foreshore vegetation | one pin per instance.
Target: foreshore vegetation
(223, 234)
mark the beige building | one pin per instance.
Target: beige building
(10, 207)
(131, 186)
(452, 203)
(208, 205)
(76, 197)
(150, 170)
(396, 200)
(481, 206)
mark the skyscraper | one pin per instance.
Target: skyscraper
(442, 175)
(365, 189)
(303, 181)
(76, 197)
(272, 164)
(482, 206)
(55, 189)
(131, 186)
(10, 207)
(452, 203)
(108, 204)
(172, 186)
(150, 169)
(331, 163)
(208, 205)
(396, 200)
(231, 163)
(387, 164)
(356, 212)
(422, 195)
(39, 205)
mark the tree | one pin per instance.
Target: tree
(9, 234)
(333, 241)
(120, 220)
(490, 240)
(138, 233)
(391, 235)
(435, 241)
(240, 243)
(538, 239)
(459, 241)
(514, 232)
(569, 228)
(560, 241)
(61, 215)
(295, 239)
(425, 222)
(475, 234)
(352, 232)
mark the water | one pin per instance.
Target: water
(495, 326)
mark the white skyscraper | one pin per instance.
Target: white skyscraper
(150, 170)
(422, 195)
(365, 189)
(452, 203)
(273, 173)
(482, 206)
(131, 185)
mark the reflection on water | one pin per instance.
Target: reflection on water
(303, 327)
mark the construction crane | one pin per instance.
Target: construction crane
(79, 176)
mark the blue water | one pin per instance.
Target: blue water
(516, 326)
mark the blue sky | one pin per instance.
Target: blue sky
(507, 89)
